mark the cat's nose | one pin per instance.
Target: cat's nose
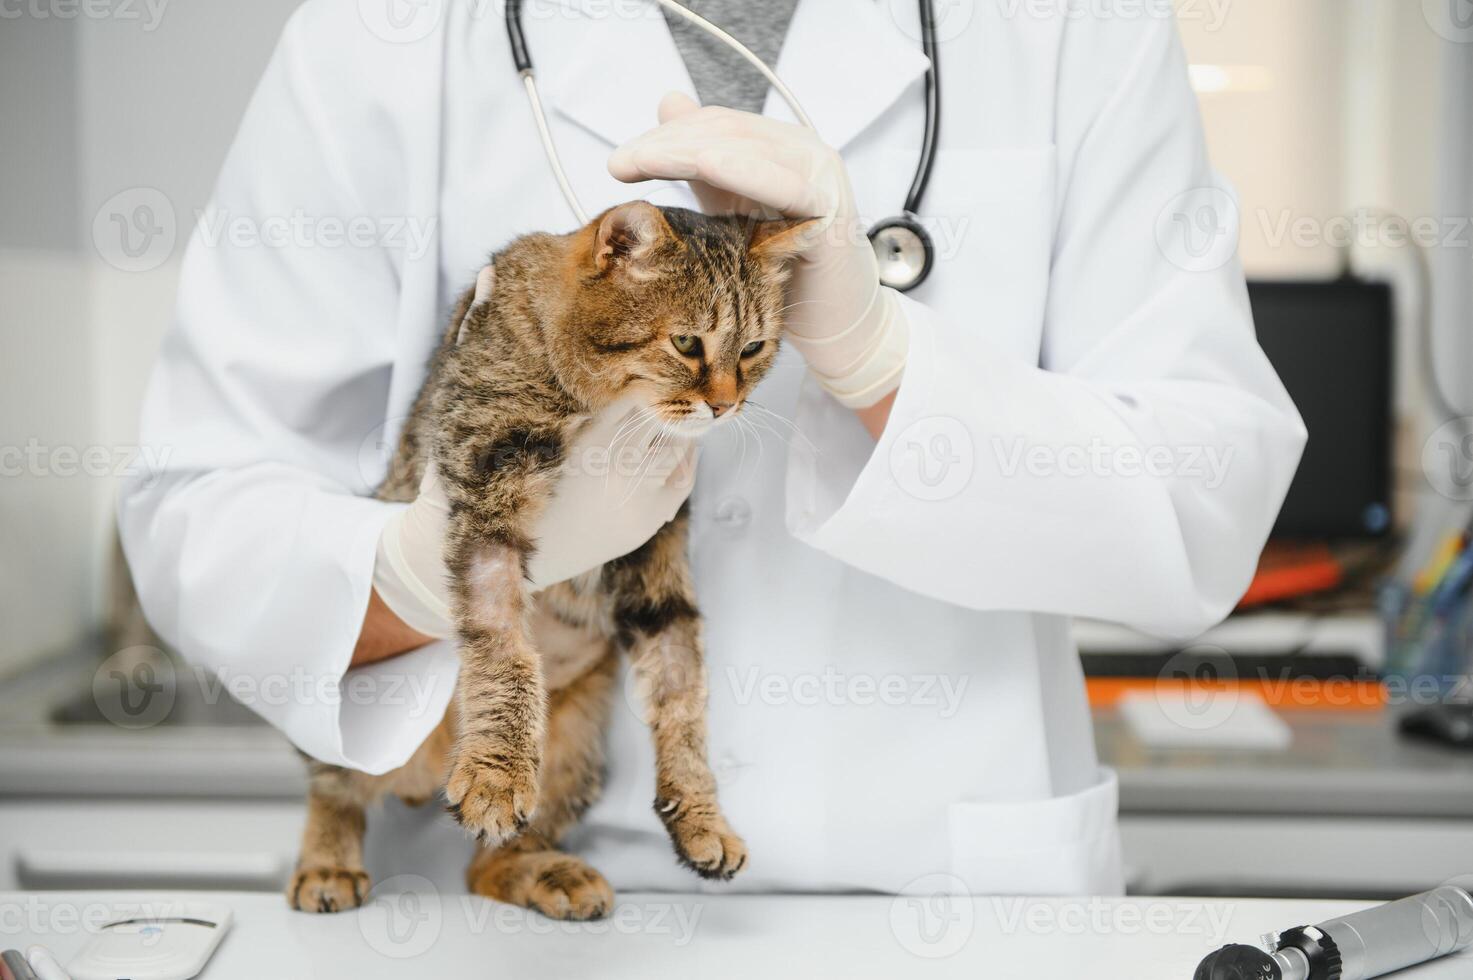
(719, 409)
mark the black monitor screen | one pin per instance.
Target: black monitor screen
(1331, 344)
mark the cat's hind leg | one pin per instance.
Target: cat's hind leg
(529, 870)
(330, 876)
(655, 615)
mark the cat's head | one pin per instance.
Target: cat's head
(680, 310)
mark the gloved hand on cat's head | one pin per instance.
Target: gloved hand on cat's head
(848, 327)
(614, 492)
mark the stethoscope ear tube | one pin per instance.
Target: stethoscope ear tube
(903, 248)
(932, 132)
(520, 56)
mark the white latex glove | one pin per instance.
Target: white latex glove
(608, 502)
(847, 326)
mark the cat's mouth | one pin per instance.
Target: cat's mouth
(692, 419)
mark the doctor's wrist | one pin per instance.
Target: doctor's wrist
(383, 634)
(877, 416)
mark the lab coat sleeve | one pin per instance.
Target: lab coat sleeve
(252, 543)
(1133, 473)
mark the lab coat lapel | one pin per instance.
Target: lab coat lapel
(847, 61)
(607, 65)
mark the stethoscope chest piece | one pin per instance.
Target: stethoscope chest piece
(903, 251)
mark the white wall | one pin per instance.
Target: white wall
(1275, 129)
(1329, 105)
(46, 414)
(158, 109)
(109, 105)
(1344, 108)
(1453, 267)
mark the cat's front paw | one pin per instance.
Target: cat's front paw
(327, 889)
(494, 801)
(703, 840)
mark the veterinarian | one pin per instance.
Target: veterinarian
(1069, 418)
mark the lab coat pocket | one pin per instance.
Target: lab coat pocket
(1068, 845)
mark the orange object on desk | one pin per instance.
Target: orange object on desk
(1291, 568)
(1290, 694)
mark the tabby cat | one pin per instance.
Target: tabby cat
(681, 311)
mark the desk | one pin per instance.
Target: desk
(408, 934)
(1365, 811)
(1347, 786)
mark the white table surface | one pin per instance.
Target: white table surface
(408, 933)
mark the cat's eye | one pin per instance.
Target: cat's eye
(687, 343)
(753, 348)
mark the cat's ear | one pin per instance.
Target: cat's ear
(629, 239)
(783, 239)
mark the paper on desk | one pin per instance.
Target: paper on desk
(1184, 718)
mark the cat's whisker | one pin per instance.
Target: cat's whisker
(637, 426)
(759, 426)
(789, 433)
(803, 302)
(741, 428)
(662, 442)
(787, 440)
(656, 445)
(640, 416)
(757, 438)
(767, 413)
(641, 431)
(754, 403)
(626, 426)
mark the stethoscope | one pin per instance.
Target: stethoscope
(903, 248)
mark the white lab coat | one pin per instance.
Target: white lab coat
(894, 690)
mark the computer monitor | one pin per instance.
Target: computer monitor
(1331, 343)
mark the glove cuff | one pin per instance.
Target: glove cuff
(400, 588)
(864, 363)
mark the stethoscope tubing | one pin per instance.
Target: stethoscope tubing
(521, 56)
(932, 132)
(907, 224)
